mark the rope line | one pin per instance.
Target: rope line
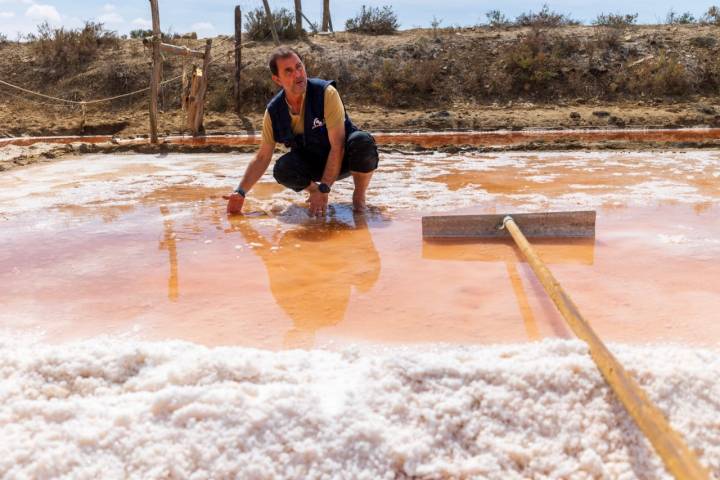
(85, 102)
(35, 102)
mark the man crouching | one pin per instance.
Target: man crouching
(308, 116)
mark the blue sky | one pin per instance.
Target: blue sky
(214, 17)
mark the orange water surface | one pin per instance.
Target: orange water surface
(172, 265)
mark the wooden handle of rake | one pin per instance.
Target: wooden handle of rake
(680, 461)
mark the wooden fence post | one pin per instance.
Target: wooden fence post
(155, 76)
(238, 57)
(313, 27)
(198, 125)
(271, 22)
(298, 17)
(326, 15)
(191, 98)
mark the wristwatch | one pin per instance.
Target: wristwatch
(324, 188)
(239, 191)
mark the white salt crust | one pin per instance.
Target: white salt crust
(404, 182)
(124, 409)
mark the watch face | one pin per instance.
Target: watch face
(324, 188)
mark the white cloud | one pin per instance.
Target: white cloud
(43, 12)
(7, 14)
(202, 27)
(142, 23)
(111, 18)
(110, 15)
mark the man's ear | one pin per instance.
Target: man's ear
(276, 79)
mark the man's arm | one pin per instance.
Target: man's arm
(255, 169)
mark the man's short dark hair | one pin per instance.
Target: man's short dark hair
(281, 52)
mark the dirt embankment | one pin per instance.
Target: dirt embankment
(445, 79)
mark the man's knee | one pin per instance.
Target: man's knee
(361, 152)
(289, 172)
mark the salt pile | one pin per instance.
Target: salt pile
(125, 409)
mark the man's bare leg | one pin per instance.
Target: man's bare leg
(362, 180)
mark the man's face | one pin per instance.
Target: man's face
(291, 75)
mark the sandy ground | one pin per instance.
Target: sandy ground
(458, 116)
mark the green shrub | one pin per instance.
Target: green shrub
(258, 28)
(536, 61)
(140, 33)
(673, 18)
(3, 39)
(544, 18)
(712, 16)
(435, 25)
(66, 51)
(374, 21)
(615, 20)
(496, 19)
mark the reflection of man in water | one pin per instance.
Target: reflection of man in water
(309, 118)
(313, 285)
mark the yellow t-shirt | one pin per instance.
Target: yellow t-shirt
(334, 116)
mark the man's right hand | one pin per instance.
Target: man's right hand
(235, 203)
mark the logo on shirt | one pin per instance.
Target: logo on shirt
(317, 123)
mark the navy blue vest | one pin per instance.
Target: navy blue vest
(315, 140)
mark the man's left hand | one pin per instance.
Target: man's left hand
(318, 203)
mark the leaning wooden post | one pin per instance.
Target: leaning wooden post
(298, 17)
(191, 96)
(201, 91)
(238, 57)
(326, 15)
(155, 76)
(271, 22)
(313, 27)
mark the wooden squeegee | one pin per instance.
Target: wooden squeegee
(579, 224)
(679, 460)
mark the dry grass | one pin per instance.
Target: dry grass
(661, 76)
(61, 51)
(536, 63)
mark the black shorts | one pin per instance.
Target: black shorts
(296, 170)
